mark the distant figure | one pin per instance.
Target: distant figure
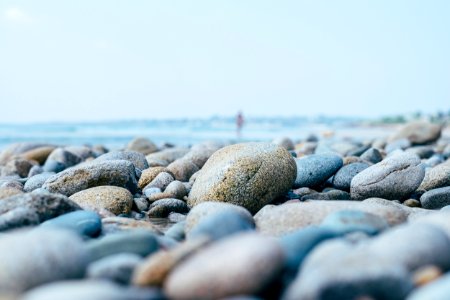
(239, 124)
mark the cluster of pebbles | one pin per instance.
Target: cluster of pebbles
(316, 219)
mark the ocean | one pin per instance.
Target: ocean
(183, 132)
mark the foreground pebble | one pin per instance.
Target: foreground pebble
(247, 264)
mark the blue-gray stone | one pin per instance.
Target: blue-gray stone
(177, 231)
(435, 199)
(85, 223)
(297, 245)
(53, 166)
(36, 181)
(372, 155)
(315, 169)
(139, 242)
(118, 268)
(329, 195)
(222, 224)
(347, 221)
(343, 177)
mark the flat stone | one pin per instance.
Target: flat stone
(347, 221)
(33, 208)
(240, 265)
(282, 219)
(199, 212)
(248, 174)
(115, 199)
(139, 242)
(436, 199)
(396, 177)
(162, 208)
(314, 170)
(118, 268)
(96, 173)
(436, 177)
(85, 223)
(222, 224)
(33, 258)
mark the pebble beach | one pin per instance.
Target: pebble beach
(310, 218)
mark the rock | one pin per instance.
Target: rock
(19, 166)
(115, 199)
(136, 158)
(139, 242)
(396, 177)
(176, 217)
(436, 177)
(249, 174)
(165, 157)
(83, 152)
(400, 144)
(298, 244)
(426, 274)
(435, 199)
(176, 189)
(412, 203)
(37, 181)
(142, 145)
(162, 208)
(182, 169)
(438, 289)
(330, 195)
(117, 224)
(313, 170)
(6, 192)
(156, 267)
(284, 142)
(32, 208)
(330, 272)
(161, 181)
(199, 212)
(343, 177)
(96, 173)
(32, 258)
(148, 175)
(39, 154)
(247, 264)
(347, 221)
(35, 170)
(141, 204)
(222, 224)
(17, 149)
(421, 151)
(200, 153)
(85, 223)
(418, 132)
(176, 231)
(282, 219)
(60, 159)
(91, 289)
(372, 155)
(118, 268)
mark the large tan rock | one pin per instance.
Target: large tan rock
(248, 174)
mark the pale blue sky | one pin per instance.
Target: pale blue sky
(96, 60)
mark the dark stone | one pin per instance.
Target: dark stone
(343, 177)
(436, 199)
(314, 170)
(162, 208)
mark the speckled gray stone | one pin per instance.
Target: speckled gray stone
(37, 181)
(436, 177)
(137, 158)
(96, 173)
(248, 174)
(315, 169)
(396, 177)
(436, 199)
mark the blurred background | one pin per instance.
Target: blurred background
(103, 72)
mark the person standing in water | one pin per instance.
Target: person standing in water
(239, 124)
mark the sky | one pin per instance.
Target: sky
(107, 59)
